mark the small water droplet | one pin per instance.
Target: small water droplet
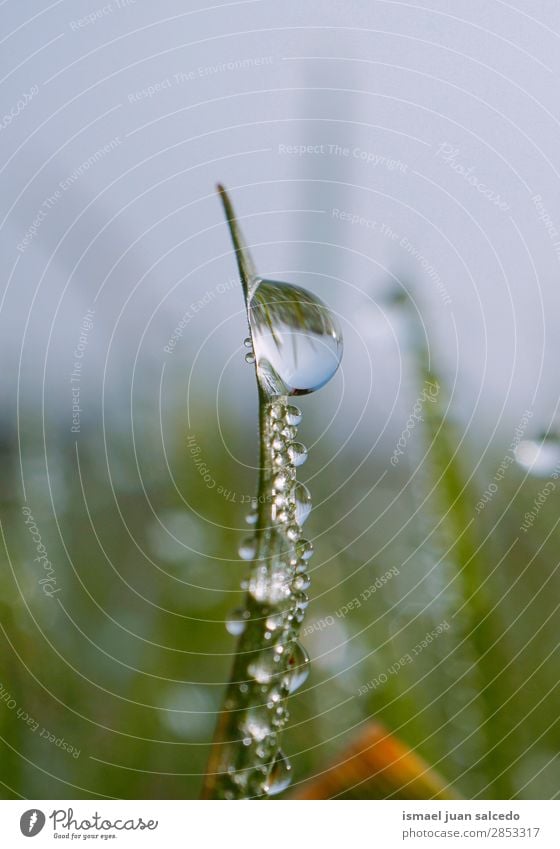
(297, 340)
(247, 342)
(269, 588)
(280, 500)
(297, 453)
(304, 549)
(301, 582)
(540, 457)
(282, 458)
(250, 357)
(274, 622)
(301, 600)
(236, 621)
(248, 548)
(293, 415)
(281, 481)
(278, 443)
(298, 668)
(289, 432)
(252, 518)
(277, 411)
(264, 667)
(279, 775)
(293, 532)
(273, 700)
(256, 724)
(302, 498)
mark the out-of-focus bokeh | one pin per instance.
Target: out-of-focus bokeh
(401, 161)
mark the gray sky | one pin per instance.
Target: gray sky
(359, 141)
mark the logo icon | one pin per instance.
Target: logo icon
(32, 822)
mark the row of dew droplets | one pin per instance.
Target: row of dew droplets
(296, 347)
(277, 586)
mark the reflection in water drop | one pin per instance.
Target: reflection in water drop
(304, 549)
(298, 668)
(297, 453)
(293, 415)
(279, 776)
(297, 341)
(540, 457)
(302, 498)
(301, 582)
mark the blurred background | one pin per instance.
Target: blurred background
(400, 160)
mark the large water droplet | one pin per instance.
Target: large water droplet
(541, 456)
(298, 668)
(302, 498)
(297, 341)
(279, 775)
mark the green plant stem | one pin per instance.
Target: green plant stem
(239, 768)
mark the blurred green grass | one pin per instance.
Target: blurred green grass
(128, 662)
